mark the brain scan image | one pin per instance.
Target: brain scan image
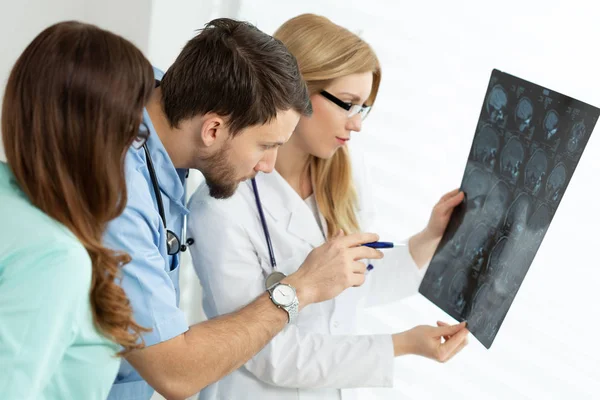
(519, 264)
(550, 124)
(524, 114)
(499, 257)
(476, 187)
(539, 222)
(535, 171)
(576, 136)
(496, 106)
(496, 203)
(525, 149)
(456, 291)
(438, 286)
(478, 320)
(511, 159)
(485, 147)
(475, 248)
(556, 183)
(458, 242)
(481, 295)
(518, 214)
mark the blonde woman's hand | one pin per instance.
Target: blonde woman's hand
(422, 245)
(439, 343)
(441, 213)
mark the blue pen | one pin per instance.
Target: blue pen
(380, 245)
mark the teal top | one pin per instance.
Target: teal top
(49, 345)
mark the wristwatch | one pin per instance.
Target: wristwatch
(283, 295)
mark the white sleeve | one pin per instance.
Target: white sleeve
(396, 276)
(297, 359)
(230, 271)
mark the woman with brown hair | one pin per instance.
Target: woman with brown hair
(71, 110)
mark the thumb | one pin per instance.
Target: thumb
(449, 330)
(452, 202)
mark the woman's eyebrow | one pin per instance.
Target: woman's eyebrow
(353, 96)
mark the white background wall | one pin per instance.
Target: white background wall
(23, 20)
(436, 57)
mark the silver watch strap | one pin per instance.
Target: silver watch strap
(292, 311)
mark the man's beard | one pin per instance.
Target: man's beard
(220, 175)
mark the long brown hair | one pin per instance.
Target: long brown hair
(71, 109)
(326, 51)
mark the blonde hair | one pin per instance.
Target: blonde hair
(326, 51)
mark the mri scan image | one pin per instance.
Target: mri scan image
(496, 106)
(518, 215)
(556, 183)
(524, 114)
(511, 159)
(485, 146)
(550, 125)
(526, 147)
(576, 136)
(535, 172)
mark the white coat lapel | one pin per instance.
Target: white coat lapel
(286, 206)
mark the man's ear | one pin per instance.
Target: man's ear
(213, 130)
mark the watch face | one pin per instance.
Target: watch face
(284, 295)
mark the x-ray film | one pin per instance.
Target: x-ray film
(526, 147)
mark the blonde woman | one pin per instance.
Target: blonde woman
(312, 196)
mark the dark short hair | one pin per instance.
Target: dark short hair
(235, 70)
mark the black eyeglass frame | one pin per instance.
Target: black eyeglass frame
(363, 110)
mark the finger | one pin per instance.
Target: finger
(441, 323)
(458, 348)
(449, 195)
(357, 239)
(450, 203)
(364, 253)
(456, 351)
(359, 267)
(357, 280)
(452, 345)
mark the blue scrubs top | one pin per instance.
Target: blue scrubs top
(151, 279)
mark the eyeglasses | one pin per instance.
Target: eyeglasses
(352, 109)
(142, 136)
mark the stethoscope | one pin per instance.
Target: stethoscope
(174, 245)
(263, 221)
(275, 276)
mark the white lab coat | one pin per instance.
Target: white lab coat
(319, 354)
